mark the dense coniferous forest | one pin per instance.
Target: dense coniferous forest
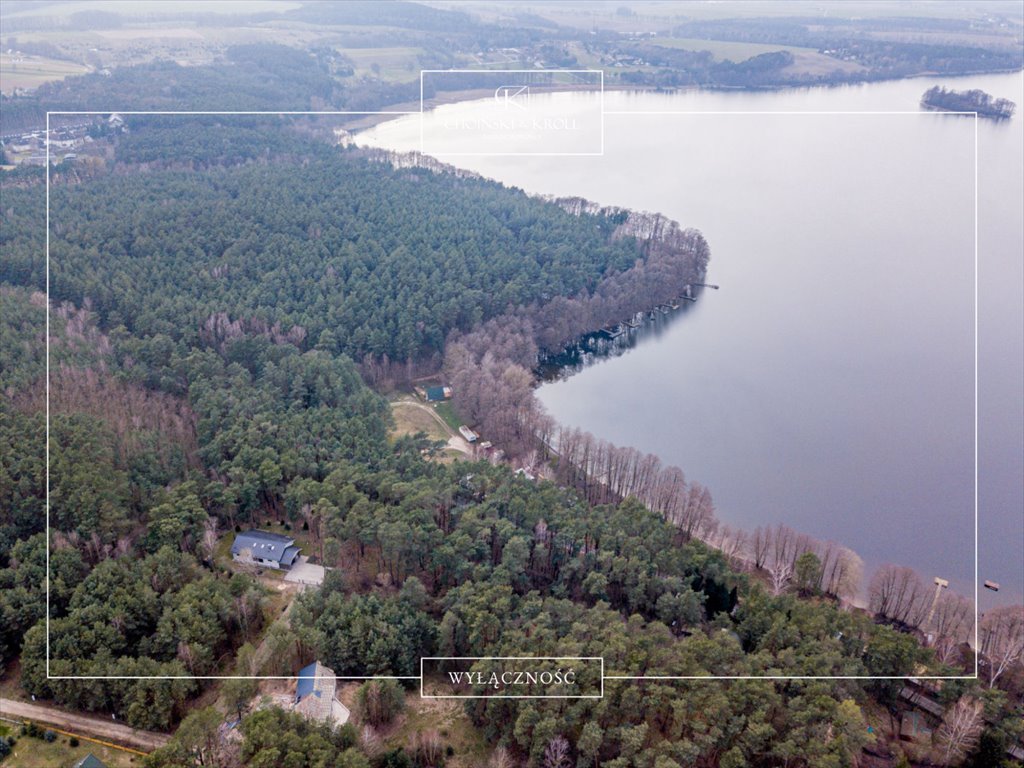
(213, 305)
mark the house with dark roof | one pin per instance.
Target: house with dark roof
(436, 394)
(271, 550)
(90, 761)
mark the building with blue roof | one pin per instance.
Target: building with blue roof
(314, 694)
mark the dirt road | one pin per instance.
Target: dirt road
(455, 441)
(87, 725)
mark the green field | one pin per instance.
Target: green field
(447, 412)
(726, 51)
(25, 71)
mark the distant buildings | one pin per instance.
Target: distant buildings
(271, 550)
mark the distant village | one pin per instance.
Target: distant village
(67, 144)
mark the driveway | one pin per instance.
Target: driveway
(304, 572)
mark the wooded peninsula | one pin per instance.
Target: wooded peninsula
(217, 309)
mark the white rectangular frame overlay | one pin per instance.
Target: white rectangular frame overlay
(604, 677)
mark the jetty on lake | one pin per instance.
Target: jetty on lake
(635, 321)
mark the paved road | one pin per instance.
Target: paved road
(103, 728)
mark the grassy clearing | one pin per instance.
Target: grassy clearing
(37, 753)
(396, 64)
(410, 418)
(724, 50)
(23, 71)
(447, 412)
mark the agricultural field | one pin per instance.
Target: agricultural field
(18, 70)
(399, 64)
(724, 50)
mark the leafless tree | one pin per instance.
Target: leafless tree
(427, 748)
(208, 545)
(760, 545)
(501, 758)
(733, 543)
(370, 741)
(951, 624)
(1002, 640)
(781, 572)
(556, 754)
(841, 577)
(960, 729)
(897, 593)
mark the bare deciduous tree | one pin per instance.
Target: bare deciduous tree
(781, 572)
(897, 593)
(760, 545)
(951, 624)
(428, 749)
(501, 758)
(556, 754)
(960, 729)
(1002, 640)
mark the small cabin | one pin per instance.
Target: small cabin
(271, 550)
(468, 433)
(437, 394)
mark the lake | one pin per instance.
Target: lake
(830, 383)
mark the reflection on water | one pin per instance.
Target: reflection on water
(830, 384)
(614, 342)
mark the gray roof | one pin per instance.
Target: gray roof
(266, 545)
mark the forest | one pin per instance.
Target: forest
(216, 309)
(947, 100)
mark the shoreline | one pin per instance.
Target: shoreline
(858, 600)
(403, 109)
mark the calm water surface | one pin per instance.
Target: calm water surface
(830, 383)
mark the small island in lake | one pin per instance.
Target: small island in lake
(938, 98)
